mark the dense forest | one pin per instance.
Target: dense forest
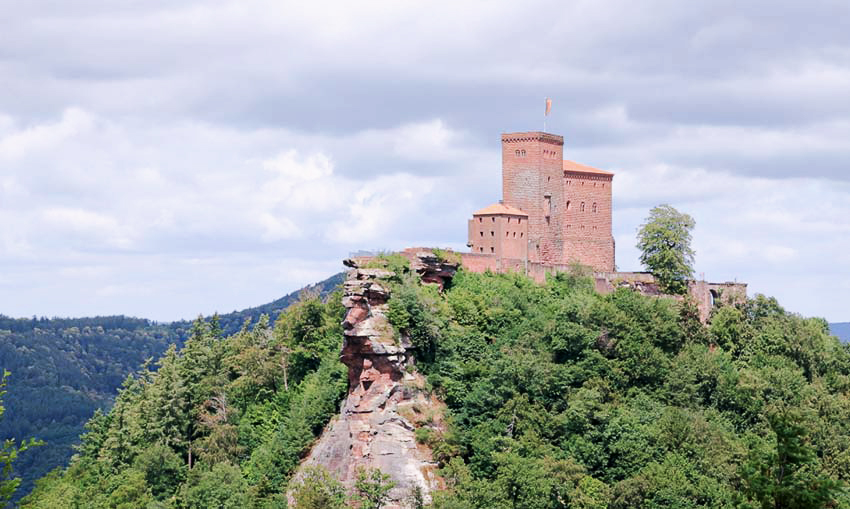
(63, 369)
(558, 397)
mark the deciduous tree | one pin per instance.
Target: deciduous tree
(664, 241)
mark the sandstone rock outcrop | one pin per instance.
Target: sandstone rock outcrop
(373, 430)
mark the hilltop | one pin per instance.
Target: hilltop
(542, 396)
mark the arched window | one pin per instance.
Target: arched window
(594, 207)
(522, 153)
(568, 204)
(582, 207)
(517, 153)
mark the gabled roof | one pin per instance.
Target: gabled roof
(583, 168)
(498, 208)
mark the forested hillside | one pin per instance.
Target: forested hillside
(558, 397)
(63, 369)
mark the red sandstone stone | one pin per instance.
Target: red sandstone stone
(564, 208)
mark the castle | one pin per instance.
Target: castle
(553, 214)
(553, 211)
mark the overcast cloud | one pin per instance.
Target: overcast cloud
(164, 158)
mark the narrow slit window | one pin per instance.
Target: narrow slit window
(594, 207)
(581, 209)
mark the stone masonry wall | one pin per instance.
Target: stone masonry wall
(532, 176)
(587, 220)
(500, 234)
(705, 294)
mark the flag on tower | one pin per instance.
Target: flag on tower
(548, 106)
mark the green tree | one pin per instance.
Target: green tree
(222, 487)
(316, 488)
(786, 473)
(372, 488)
(664, 241)
(8, 453)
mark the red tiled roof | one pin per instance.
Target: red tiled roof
(498, 208)
(583, 168)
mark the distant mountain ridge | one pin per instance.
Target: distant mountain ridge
(63, 369)
(841, 331)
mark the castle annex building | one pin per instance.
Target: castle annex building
(552, 212)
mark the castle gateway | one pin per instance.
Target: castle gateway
(553, 211)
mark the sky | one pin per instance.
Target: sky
(165, 159)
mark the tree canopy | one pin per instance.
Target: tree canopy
(556, 397)
(664, 241)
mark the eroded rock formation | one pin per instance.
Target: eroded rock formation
(375, 428)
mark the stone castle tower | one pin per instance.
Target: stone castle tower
(553, 211)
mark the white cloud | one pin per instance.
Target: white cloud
(249, 142)
(18, 143)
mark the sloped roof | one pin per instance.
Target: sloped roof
(498, 208)
(583, 168)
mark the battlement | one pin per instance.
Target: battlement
(554, 139)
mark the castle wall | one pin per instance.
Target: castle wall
(499, 234)
(703, 293)
(532, 176)
(587, 220)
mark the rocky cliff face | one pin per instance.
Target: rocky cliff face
(374, 428)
